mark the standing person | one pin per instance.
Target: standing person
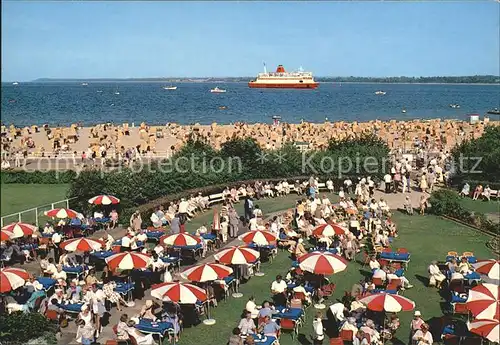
(348, 185)
(85, 332)
(248, 206)
(416, 323)
(234, 222)
(224, 226)
(423, 204)
(56, 240)
(183, 211)
(318, 331)
(371, 185)
(73, 156)
(175, 225)
(387, 182)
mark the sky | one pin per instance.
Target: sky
(199, 39)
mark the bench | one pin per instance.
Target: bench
(321, 186)
(215, 198)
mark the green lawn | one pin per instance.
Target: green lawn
(426, 237)
(19, 197)
(482, 206)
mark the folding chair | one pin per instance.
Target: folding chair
(468, 254)
(347, 336)
(336, 341)
(402, 250)
(452, 253)
(289, 325)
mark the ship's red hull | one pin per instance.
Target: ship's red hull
(283, 86)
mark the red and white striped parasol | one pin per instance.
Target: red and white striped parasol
(259, 237)
(12, 278)
(216, 220)
(237, 256)
(128, 261)
(19, 229)
(491, 268)
(328, 230)
(488, 329)
(104, 200)
(324, 263)
(206, 272)
(6, 235)
(81, 244)
(387, 302)
(180, 240)
(61, 213)
(483, 301)
(179, 292)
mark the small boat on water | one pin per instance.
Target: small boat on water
(170, 87)
(455, 106)
(494, 111)
(117, 93)
(217, 90)
(380, 93)
(99, 91)
(222, 107)
(85, 84)
(403, 111)
(15, 83)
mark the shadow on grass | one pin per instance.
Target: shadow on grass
(365, 273)
(422, 279)
(302, 339)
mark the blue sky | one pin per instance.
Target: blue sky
(153, 39)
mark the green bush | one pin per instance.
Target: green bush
(20, 328)
(446, 202)
(486, 148)
(37, 177)
(137, 186)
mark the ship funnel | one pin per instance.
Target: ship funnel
(280, 69)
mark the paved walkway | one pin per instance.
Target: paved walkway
(394, 201)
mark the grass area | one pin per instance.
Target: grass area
(426, 237)
(482, 206)
(19, 197)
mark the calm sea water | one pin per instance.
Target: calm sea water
(66, 103)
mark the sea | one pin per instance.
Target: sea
(65, 103)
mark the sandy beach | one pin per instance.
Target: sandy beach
(162, 141)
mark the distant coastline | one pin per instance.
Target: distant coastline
(479, 79)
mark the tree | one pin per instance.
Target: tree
(478, 159)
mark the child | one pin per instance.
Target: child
(85, 332)
(408, 206)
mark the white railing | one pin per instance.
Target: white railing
(33, 215)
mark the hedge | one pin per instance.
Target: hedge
(446, 202)
(37, 177)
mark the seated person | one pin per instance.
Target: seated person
(252, 307)
(369, 328)
(235, 338)
(301, 289)
(278, 289)
(299, 249)
(465, 190)
(436, 278)
(12, 251)
(269, 328)
(30, 303)
(265, 310)
(374, 264)
(392, 275)
(147, 311)
(464, 267)
(247, 325)
(350, 325)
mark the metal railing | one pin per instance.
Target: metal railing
(34, 215)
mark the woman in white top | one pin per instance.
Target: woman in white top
(423, 336)
(251, 307)
(318, 331)
(435, 276)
